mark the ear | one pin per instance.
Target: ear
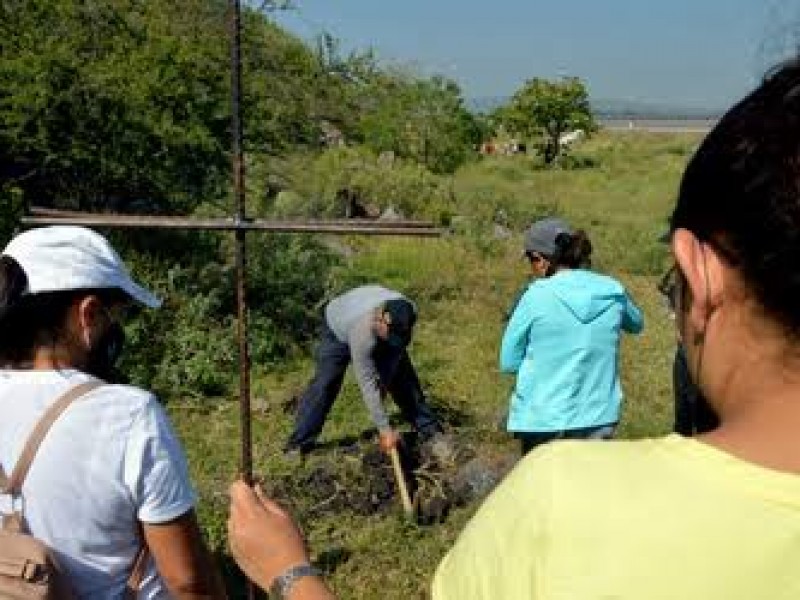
(88, 312)
(702, 269)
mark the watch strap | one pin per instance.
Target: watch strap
(282, 584)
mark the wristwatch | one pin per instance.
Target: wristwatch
(282, 584)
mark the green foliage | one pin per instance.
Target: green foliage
(406, 186)
(10, 208)
(126, 105)
(421, 119)
(544, 109)
(189, 347)
(113, 103)
(284, 89)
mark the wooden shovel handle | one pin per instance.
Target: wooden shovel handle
(401, 481)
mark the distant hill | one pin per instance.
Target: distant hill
(485, 104)
(610, 108)
(614, 108)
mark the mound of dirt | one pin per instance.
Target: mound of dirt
(360, 480)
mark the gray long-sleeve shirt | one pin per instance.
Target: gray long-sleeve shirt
(351, 317)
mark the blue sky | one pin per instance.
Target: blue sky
(688, 53)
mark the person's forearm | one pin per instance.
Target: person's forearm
(188, 595)
(376, 411)
(182, 559)
(206, 590)
(367, 378)
(361, 341)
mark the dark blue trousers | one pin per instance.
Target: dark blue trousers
(397, 376)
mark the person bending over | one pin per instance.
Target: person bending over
(370, 326)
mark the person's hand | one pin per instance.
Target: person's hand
(388, 439)
(263, 539)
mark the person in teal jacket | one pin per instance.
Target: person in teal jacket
(562, 341)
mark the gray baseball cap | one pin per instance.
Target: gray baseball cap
(541, 236)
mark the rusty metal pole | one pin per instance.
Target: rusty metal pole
(237, 158)
(246, 465)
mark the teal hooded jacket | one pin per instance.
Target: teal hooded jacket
(562, 341)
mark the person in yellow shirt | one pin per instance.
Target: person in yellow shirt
(715, 517)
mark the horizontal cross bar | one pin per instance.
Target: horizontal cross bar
(337, 226)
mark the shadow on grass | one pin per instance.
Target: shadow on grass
(347, 442)
(449, 416)
(236, 582)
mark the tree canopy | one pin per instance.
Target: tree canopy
(547, 109)
(126, 105)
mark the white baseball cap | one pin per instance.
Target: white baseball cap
(65, 257)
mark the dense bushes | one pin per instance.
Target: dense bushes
(189, 346)
(321, 184)
(120, 105)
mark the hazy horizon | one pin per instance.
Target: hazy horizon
(687, 54)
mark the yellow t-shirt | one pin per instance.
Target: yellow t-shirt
(657, 519)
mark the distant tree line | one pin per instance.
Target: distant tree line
(124, 104)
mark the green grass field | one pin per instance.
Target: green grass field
(463, 284)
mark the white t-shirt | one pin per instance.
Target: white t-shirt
(110, 460)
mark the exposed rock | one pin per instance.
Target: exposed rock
(479, 476)
(338, 247)
(390, 213)
(501, 232)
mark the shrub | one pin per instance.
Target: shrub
(189, 347)
(317, 183)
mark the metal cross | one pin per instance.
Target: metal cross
(241, 225)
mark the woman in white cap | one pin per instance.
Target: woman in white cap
(109, 485)
(562, 341)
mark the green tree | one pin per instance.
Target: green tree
(125, 105)
(420, 119)
(113, 103)
(547, 109)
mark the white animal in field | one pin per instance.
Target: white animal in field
(569, 138)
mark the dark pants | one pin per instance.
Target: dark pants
(531, 440)
(397, 376)
(692, 413)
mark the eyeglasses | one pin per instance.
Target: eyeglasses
(668, 287)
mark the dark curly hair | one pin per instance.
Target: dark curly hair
(573, 250)
(741, 193)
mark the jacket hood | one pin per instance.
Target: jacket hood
(587, 295)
